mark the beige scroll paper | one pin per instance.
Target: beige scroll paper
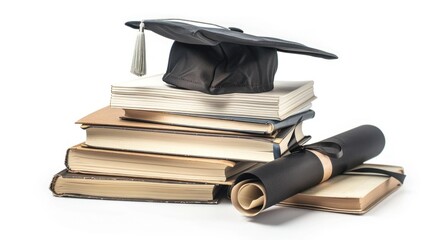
(249, 196)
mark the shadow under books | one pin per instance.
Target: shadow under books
(279, 215)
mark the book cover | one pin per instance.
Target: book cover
(351, 192)
(222, 123)
(108, 116)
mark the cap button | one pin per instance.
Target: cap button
(235, 29)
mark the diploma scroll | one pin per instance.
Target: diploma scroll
(260, 188)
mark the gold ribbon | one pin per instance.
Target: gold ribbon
(326, 164)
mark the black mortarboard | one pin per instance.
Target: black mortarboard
(217, 60)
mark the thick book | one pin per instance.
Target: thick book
(81, 159)
(66, 184)
(104, 129)
(150, 93)
(351, 192)
(223, 123)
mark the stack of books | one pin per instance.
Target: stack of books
(160, 143)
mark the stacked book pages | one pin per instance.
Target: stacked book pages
(157, 142)
(160, 143)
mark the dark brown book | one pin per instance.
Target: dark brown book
(66, 184)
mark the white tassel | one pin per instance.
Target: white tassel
(138, 66)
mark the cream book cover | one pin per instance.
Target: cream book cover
(354, 193)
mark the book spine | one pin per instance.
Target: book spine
(276, 150)
(66, 160)
(53, 183)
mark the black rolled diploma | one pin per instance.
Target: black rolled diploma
(260, 188)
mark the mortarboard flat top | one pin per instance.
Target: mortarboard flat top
(218, 60)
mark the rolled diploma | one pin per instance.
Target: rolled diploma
(260, 188)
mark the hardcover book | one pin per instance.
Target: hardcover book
(66, 184)
(222, 123)
(81, 159)
(351, 192)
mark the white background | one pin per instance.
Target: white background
(59, 58)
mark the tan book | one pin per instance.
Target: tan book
(150, 93)
(222, 123)
(66, 184)
(108, 116)
(354, 193)
(81, 159)
(105, 129)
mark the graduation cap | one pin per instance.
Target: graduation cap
(214, 59)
